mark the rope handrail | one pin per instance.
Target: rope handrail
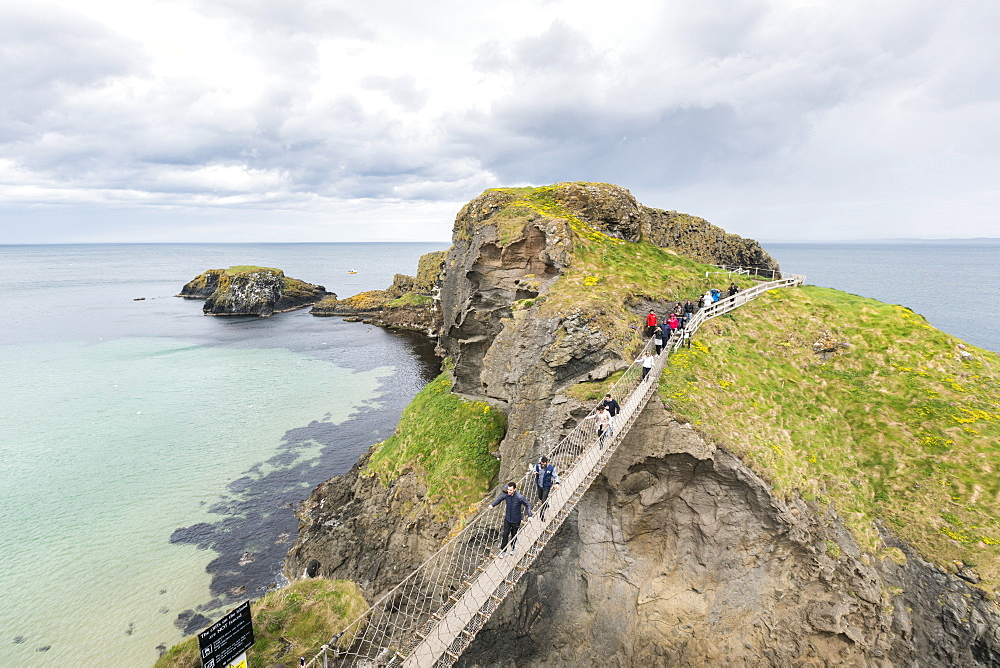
(432, 615)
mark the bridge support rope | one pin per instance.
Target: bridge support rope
(430, 617)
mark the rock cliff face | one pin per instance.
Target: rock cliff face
(615, 211)
(259, 291)
(678, 554)
(506, 251)
(409, 303)
(353, 527)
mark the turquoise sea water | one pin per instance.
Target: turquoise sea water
(151, 457)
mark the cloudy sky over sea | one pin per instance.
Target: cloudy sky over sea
(313, 120)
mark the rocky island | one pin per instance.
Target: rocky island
(249, 290)
(406, 304)
(812, 484)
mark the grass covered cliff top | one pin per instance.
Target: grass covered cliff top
(607, 278)
(249, 268)
(850, 401)
(448, 442)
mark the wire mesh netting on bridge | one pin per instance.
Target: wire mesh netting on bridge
(434, 613)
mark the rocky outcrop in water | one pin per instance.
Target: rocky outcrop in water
(259, 291)
(409, 303)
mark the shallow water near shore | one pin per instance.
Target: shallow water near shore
(151, 457)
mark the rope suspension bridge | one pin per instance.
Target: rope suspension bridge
(433, 615)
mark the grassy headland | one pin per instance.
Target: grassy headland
(608, 277)
(850, 401)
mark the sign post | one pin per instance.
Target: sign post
(222, 643)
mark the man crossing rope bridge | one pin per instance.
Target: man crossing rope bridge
(512, 516)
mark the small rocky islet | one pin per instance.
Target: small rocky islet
(251, 290)
(720, 532)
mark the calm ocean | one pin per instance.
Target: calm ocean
(150, 457)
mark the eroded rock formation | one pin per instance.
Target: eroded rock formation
(259, 291)
(409, 303)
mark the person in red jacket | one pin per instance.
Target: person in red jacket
(650, 323)
(673, 323)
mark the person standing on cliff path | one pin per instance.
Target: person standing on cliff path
(673, 323)
(511, 516)
(545, 478)
(689, 310)
(658, 339)
(650, 323)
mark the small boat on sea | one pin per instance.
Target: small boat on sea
(352, 271)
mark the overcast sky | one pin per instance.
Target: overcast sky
(302, 120)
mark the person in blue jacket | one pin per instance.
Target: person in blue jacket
(511, 516)
(545, 477)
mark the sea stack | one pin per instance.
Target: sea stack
(249, 290)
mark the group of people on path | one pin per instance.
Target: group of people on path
(664, 329)
(546, 477)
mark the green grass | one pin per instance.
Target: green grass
(244, 268)
(594, 390)
(448, 442)
(411, 299)
(288, 623)
(609, 276)
(893, 427)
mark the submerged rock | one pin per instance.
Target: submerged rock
(247, 290)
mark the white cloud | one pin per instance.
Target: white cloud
(772, 118)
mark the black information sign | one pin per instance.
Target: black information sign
(226, 639)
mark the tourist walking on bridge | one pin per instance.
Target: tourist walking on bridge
(647, 364)
(511, 516)
(650, 323)
(603, 418)
(545, 477)
(612, 406)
